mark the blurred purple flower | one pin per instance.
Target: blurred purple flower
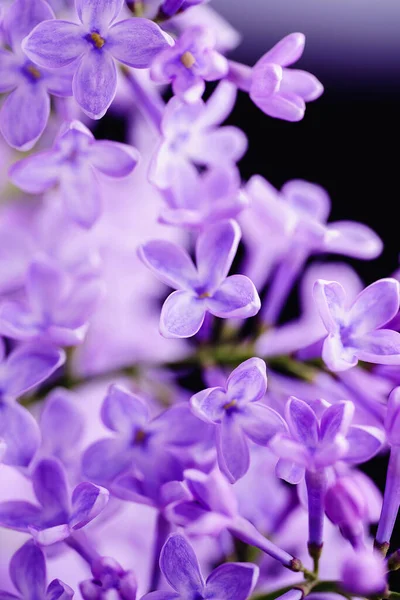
(72, 164)
(206, 288)
(364, 573)
(93, 45)
(354, 332)
(109, 578)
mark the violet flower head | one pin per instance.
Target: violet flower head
(206, 288)
(28, 574)
(187, 65)
(238, 413)
(57, 306)
(93, 45)
(73, 164)
(355, 332)
(109, 578)
(191, 136)
(364, 573)
(23, 369)
(25, 112)
(313, 443)
(58, 514)
(181, 569)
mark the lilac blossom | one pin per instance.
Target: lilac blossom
(26, 367)
(28, 574)
(278, 91)
(73, 164)
(191, 136)
(59, 514)
(355, 331)
(239, 414)
(26, 110)
(57, 307)
(92, 46)
(108, 578)
(364, 573)
(187, 65)
(206, 288)
(181, 569)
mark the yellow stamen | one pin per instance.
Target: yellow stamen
(138, 9)
(204, 295)
(36, 74)
(140, 436)
(98, 40)
(229, 405)
(188, 60)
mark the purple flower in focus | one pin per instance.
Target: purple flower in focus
(26, 110)
(191, 134)
(181, 569)
(364, 573)
(278, 91)
(237, 412)
(109, 578)
(205, 288)
(57, 306)
(23, 369)
(59, 514)
(28, 574)
(93, 45)
(354, 332)
(73, 164)
(187, 65)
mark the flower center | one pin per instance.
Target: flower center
(229, 405)
(97, 40)
(140, 436)
(188, 60)
(204, 295)
(33, 72)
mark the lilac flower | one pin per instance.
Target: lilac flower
(57, 306)
(198, 200)
(73, 164)
(28, 574)
(237, 412)
(364, 573)
(23, 369)
(191, 134)
(109, 578)
(59, 514)
(93, 45)
(278, 91)
(181, 569)
(205, 288)
(26, 110)
(354, 332)
(187, 65)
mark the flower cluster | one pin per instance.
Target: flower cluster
(144, 433)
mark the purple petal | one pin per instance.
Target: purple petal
(178, 426)
(182, 315)
(232, 580)
(46, 283)
(59, 82)
(88, 501)
(20, 432)
(381, 347)
(8, 596)
(113, 159)
(336, 356)
(209, 404)
(9, 71)
(212, 490)
(28, 571)
(248, 381)
(121, 410)
(290, 450)
(215, 250)
(19, 515)
(308, 199)
(302, 422)
(392, 419)
(353, 239)
(180, 567)
(289, 471)
(266, 80)
(375, 306)
(336, 420)
(170, 263)
(286, 51)
(330, 298)
(36, 174)
(57, 590)
(98, 13)
(22, 17)
(95, 83)
(136, 42)
(302, 84)
(237, 297)
(232, 448)
(81, 194)
(220, 105)
(104, 460)
(28, 366)
(24, 115)
(260, 423)
(224, 145)
(161, 596)
(54, 44)
(364, 443)
(50, 486)
(50, 535)
(288, 107)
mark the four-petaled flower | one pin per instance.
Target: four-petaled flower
(109, 578)
(201, 290)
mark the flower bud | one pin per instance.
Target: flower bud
(363, 573)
